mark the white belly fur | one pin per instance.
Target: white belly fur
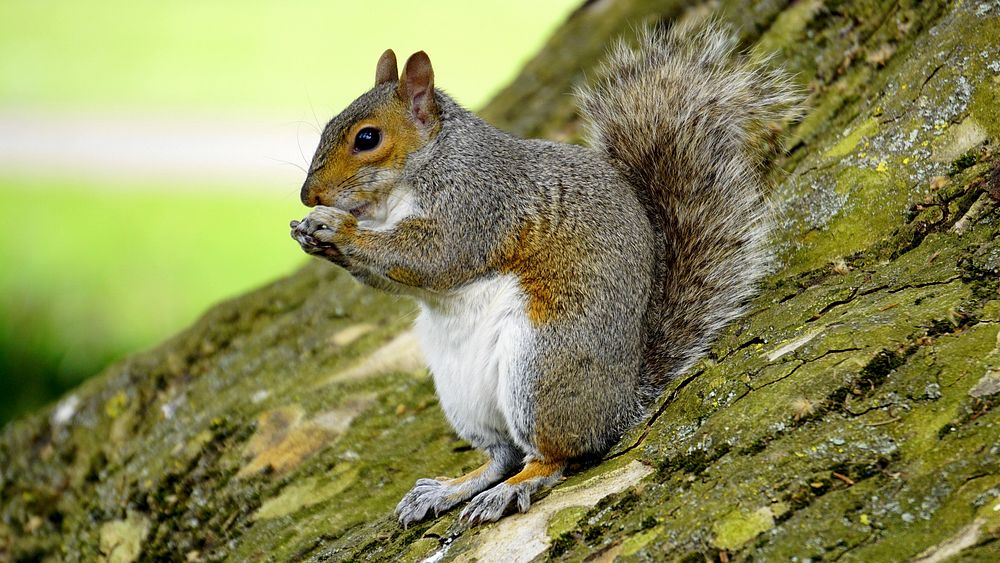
(472, 341)
(390, 210)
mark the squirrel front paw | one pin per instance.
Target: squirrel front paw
(303, 231)
(317, 232)
(329, 222)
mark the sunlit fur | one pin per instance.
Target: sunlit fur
(560, 287)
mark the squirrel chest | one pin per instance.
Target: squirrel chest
(474, 340)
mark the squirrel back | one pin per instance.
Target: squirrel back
(681, 117)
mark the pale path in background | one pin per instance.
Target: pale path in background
(154, 149)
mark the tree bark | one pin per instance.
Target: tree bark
(849, 415)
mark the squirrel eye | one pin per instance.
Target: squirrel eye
(367, 139)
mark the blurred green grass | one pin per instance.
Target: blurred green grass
(88, 272)
(95, 274)
(268, 54)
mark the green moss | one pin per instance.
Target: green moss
(738, 528)
(755, 447)
(306, 493)
(876, 370)
(637, 542)
(985, 104)
(785, 32)
(116, 405)
(851, 140)
(561, 543)
(692, 463)
(565, 521)
(880, 201)
(420, 550)
(965, 161)
(991, 311)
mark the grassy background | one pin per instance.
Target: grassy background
(98, 274)
(91, 269)
(269, 54)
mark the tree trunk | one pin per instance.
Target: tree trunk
(849, 415)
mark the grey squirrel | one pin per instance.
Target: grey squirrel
(560, 287)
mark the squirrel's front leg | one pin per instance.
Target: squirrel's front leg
(411, 253)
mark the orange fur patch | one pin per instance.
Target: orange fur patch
(346, 169)
(536, 470)
(405, 277)
(549, 448)
(470, 475)
(546, 267)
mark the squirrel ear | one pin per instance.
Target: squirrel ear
(385, 70)
(416, 87)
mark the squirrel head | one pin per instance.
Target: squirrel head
(363, 151)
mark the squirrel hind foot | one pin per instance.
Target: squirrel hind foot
(428, 496)
(439, 495)
(493, 504)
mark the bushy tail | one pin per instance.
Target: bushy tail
(683, 116)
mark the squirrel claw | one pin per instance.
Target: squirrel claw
(316, 240)
(304, 231)
(316, 230)
(427, 496)
(492, 504)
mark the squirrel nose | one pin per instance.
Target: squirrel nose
(309, 199)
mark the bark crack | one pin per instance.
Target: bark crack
(826, 309)
(656, 415)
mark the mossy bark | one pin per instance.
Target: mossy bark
(850, 415)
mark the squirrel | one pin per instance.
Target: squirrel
(560, 287)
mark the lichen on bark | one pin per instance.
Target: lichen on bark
(849, 415)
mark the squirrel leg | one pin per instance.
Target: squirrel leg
(439, 495)
(490, 506)
(411, 254)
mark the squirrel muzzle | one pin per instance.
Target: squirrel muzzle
(309, 195)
